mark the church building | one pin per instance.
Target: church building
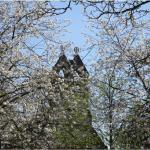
(77, 132)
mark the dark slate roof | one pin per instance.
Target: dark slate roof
(61, 63)
(79, 66)
(65, 65)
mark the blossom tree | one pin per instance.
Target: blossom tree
(120, 80)
(24, 27)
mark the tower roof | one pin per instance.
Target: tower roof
(68, 65)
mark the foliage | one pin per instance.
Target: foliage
(127, 11)
(120, 77)
(76, 130)
(135, 130)
(39, 109)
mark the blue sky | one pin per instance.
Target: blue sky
(76, 30)
(77, 26)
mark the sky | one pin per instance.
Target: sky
(78, 23)
(77, 26)
(77, 29)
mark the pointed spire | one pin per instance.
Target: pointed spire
(76, 50)
(62, 50)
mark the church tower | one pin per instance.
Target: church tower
(77, 131)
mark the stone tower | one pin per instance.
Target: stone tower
(78, 133)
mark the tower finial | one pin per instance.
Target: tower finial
(62, 50)
(76, 50)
